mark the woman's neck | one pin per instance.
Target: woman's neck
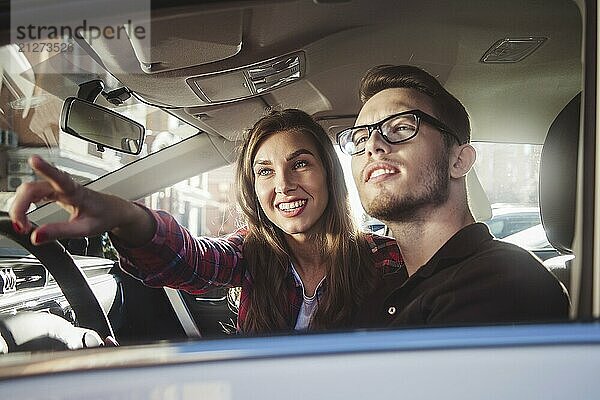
(308, 261)
(305, 251)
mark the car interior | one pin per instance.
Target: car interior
(208, 71)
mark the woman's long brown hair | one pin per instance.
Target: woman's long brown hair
(349, 273)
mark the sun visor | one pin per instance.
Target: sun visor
(229, 121)
(334, 124)
(183, 40)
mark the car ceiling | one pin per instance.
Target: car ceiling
(340, 40)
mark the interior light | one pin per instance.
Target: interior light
(512, 50)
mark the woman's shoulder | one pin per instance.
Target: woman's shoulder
(378, 243)
(238, 235)
(385, 252)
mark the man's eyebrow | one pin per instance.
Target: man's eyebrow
(384, 113)
(297, 153)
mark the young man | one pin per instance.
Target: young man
(410, 155)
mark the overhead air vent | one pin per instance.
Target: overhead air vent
(512, 50)
(250, 80)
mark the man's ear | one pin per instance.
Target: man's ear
(462, 160)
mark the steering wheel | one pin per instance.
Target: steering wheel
(69, 277)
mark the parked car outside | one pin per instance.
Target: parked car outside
(532, 238)
(509, 220)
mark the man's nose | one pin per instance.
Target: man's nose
(377, 144)
(284, 182)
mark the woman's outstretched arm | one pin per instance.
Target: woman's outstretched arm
(152, 245)
(91, 213)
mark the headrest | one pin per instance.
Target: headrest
(478, 200)
(558, 177)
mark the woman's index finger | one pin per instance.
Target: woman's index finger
(59, 180)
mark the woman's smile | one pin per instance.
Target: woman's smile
(292, 208)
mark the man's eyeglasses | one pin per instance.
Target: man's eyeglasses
(394, 129)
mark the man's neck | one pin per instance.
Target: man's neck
(423, 235)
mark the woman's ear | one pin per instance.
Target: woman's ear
(462, 160)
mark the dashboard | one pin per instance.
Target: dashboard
(34, 313)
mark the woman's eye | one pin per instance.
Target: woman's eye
(263, 172)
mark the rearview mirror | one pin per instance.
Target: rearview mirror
(101, 126)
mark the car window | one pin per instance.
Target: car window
(205, 204)
(509, 175)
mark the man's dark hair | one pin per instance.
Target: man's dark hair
(449, 110)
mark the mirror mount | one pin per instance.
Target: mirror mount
(89, 91)
(117, 96)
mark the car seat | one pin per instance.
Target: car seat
(558, 185)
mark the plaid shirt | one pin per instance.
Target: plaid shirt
(174, 258)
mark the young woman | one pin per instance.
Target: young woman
(300, 260)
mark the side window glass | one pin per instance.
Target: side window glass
(205, 204)
(509, 174)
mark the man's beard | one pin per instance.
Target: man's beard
(432, 189)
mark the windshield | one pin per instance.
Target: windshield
(33, 87)
(208, 73)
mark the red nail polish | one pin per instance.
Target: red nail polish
(40, 237)
(17, 228)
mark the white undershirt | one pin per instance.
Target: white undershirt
(309, 304)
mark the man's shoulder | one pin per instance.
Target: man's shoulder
(506, 281)
(473, 247)
(476, 255)
(474, 243)
(507, 255)
(509, 265)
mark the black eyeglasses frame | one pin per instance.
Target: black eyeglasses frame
(420, 115)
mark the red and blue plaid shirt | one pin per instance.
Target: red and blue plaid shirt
(176, 259)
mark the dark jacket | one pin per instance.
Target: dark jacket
(472, 279)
